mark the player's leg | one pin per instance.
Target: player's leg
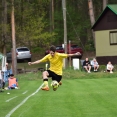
(60, 83)
(45, 80)
(58, 79)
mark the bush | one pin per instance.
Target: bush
(102, 67)
(115, 67)
(38, 50)
(90, 46)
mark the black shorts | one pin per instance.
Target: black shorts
(54, 76)
(108, 70)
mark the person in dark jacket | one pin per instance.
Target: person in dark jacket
(87, 65)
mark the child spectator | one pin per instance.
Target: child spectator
(110, 67)
(12, 82)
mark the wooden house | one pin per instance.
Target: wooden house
(105, 29)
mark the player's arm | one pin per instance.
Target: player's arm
(75, 54)
(36, 62)
(39, 61)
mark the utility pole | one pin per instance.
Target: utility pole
(65, 28)
(70, 59)
(14, 61)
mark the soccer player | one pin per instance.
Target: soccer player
(56, 64)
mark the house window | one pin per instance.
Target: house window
(113, 38)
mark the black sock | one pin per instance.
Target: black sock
(45, 79)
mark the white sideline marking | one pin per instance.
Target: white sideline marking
(10, 99)
(24, 92)
(15, 97)
(14, 109)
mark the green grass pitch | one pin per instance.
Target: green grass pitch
(77, 97)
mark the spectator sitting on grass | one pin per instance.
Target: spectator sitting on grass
(87, 65)
(110, 67)
(12, 82)
(95, 64)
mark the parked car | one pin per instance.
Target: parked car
(74, 49)
(59, 49)
(22, 53)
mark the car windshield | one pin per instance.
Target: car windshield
(74, 46)
(59, 48)
(22, 49)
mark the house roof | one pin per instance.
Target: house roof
(112, 7)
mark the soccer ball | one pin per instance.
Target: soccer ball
(54, 84)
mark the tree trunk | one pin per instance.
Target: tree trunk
(4, 26)
(92, 18)
(53, 14)
(91, 12)
(14, 61)
(105, 2)
(50, 15)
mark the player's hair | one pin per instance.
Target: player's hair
(53, 48)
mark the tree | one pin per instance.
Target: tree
(14, 61)
(4, 25)
(39, 23)
(52, 16)
(104, 3)
(92, 18)
(33, 29)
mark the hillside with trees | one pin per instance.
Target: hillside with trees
(39, 23)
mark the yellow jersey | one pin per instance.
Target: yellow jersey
(56, 62)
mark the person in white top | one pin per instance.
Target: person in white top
(110, 67)
(95, 64)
